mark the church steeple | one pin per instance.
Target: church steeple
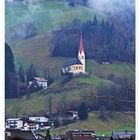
(81, 53)
(81, 48)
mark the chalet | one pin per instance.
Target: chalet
(14, 123)
(75, 66)
(123, 135)
(72, 115)
(80, 135)
(39, 82)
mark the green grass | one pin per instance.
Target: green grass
(92, 79)
(119, 122)
(52, 15)
(49, 15)
(67, 92)
(119, 69)
(37, 104)
(69, 89)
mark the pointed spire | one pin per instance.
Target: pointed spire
(81, 49)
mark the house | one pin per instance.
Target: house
(30, 125)
(39, 82)
(38, 119)
(14, 123)
(76, 65)
(41, 123)
(81, 135)
(72, 115)
(106, 62)
(122, 135)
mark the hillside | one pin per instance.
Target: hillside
(119, 122)
(67, 91)
(29, 27)
(46, 16)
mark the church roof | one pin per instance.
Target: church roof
(81, 48)
(40, 79)
(71, 62)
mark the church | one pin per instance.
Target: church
(75, 66)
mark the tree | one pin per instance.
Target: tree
(47, 75)
(83, 113)
(111, 138)
(12, 89)
(31, 73)
(9, 59)
(102, 112)
(21, 73)
(50, 107)
(9, 71)
(48, 136)
(95, 21)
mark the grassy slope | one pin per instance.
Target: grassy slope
(48, 15)
(51, 16)
(120, 122)
(37, 102)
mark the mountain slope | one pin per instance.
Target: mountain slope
(70, 91)
(118, 122)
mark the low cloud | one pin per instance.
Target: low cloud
(112, 6)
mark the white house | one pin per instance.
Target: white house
(38, 119)
(72, 115)
(37, 123)
(14, 123)
(75, 66)
(31, 125)
(41, 82)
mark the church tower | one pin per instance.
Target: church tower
(81, 54)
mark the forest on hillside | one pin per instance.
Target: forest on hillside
(106, 40)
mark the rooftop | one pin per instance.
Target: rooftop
(71, 62)
(40, 79)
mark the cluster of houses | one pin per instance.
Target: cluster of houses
(36, 123)
(32, 123)
(69, 135)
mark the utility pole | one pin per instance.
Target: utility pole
(50, 106)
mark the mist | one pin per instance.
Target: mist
(112, 6)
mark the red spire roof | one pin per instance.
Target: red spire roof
(81, 45)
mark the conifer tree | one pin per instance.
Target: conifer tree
(21, 73)
(82, 113)
(9, 59)
(31, 73)
(9, 70)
